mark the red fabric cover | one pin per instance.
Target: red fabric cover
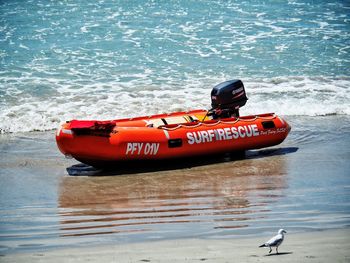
(78, 124)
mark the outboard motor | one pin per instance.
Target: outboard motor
(226, 99)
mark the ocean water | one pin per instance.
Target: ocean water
(61, 60)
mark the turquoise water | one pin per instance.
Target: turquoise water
(61, 60)
(112, 59)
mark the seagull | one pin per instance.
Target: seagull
(276, 241)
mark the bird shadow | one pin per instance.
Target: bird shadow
(279, 254)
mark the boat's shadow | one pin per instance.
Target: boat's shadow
(164, 165)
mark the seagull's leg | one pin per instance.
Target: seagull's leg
(276, 250)
(270, 250)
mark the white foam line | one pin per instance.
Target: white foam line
(285, 96)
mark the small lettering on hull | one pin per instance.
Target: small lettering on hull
(138, 148)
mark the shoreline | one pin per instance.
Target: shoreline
(300, 185)
(318, 246)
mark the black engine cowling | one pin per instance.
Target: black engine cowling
(227, 97)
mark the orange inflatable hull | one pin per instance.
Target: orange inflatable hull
(166, 136)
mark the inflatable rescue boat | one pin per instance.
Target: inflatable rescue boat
(174, 135)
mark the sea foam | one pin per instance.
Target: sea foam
(283, 95)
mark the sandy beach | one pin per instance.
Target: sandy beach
(215, 211)
(324, 246)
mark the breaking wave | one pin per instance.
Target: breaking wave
(58, 102)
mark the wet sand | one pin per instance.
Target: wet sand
(324, 246)
(218, 210)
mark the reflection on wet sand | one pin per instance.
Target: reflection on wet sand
(184, 202)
